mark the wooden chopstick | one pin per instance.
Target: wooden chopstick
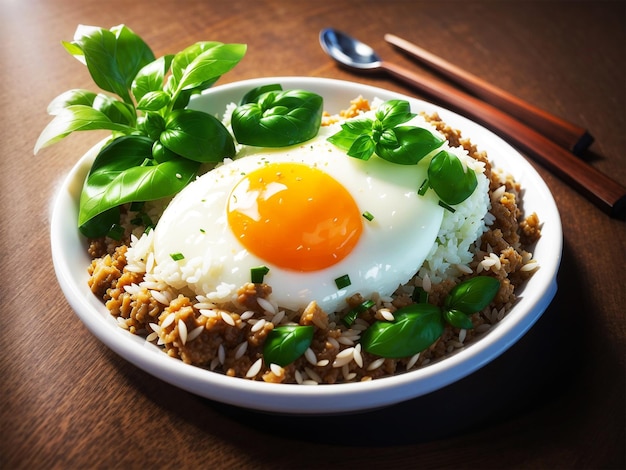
(568, 135)
(606, 193)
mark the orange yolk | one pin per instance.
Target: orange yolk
(294, 216)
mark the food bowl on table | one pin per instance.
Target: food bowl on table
(71, 260)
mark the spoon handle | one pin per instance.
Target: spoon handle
(606, 193)
(568, 135)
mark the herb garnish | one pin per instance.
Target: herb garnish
(417, 326)
(368, 215)
(267, 116)
(284, 344)
(349, 318)
(157, 146)
(343, 281)
(388, 137)
(257, 274)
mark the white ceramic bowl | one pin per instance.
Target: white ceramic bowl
(71, 261)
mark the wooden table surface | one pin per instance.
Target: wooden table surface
(554, 400)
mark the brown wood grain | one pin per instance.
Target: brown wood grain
(567, 134)
(554, 400)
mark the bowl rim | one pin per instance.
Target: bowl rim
(291, 398)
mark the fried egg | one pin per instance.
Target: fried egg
(303, 212)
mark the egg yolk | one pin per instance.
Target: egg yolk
(294, 216)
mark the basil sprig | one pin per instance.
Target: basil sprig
(284, 344)
(417, 326)
(384, 135)
(270, 117)
(388, 137)
(157, 146)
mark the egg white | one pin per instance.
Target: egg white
(390, 250)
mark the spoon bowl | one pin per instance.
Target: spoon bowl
(349, 51)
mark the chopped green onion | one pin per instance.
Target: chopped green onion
(116, 232)
(136, 206)
(423, 188)
(447, 207)
(145, 218)
(368, 215)
(142, 219)
(350, 317)
(343, 281)
(258, 273)
(177, 256)
(202, 230)
(419, 296)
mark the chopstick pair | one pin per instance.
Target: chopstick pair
(555, 145)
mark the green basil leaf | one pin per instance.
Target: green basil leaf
(70, 98)
(285, 344)
(183, 59)
(151, 124)
(411, 145)
(162, 154)
(117, 111)
(76, 118)
(394, 112)
(472, 295)
(342, 139)
(151, 77)
(113, 57)
(278, 119)
(74, 49)
(447, 177)
(358, 126)
(124, 172)
(203, 63)
(458, 319)
(153, 101)
(197, 136)
(253, 95)
(132, 53)
(388, 139)
(414, 329)
(350, 132)
(101, 224)
(362, 148)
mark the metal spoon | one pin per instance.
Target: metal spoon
(605, 192)
(356, 55)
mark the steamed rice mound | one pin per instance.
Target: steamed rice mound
(229, 337)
